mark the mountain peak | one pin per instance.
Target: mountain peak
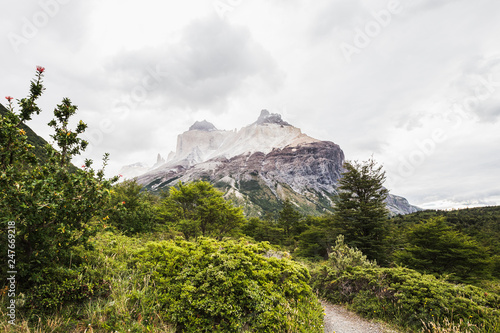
(271, 118)
(203, 126)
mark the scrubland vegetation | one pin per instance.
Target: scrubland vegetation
(94, 255)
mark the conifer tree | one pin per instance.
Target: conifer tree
(435, 248)
(288, 217)
(361, 213)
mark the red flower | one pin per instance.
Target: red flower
(9, 98)
(120, 175)
(40, 69)
(83, 166)
(123, 202)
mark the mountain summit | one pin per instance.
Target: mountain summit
(203, 126)
(259, 166)
(203, 141)
(271, 118)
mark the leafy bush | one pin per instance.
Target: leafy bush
(317, 238)
(131, 210)
(212, 286)
(409, 298)
(198, 209)
(263, 231)
(66, 286)
(51, 202)
(343, 256)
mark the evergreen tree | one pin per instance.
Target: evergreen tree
(361, 213)
(435, 248)
(288, 218)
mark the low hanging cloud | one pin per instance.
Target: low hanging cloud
(208, 65)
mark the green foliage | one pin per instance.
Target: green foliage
(100, 294)
(199, 209)
(65, 286)
(343, 257)
(360, 210)
(37, 142)
(229, 286)
(14, 147)
(130, 209)
(408, 298)
(289, 218)
(51, 204)
(434, 248)
(481, 226)
(316, 238)
(263, 231)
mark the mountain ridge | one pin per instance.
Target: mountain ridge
(260, 166)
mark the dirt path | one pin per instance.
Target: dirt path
(340, 320)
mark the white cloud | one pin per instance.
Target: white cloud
(411, 79)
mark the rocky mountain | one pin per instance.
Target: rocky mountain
(259, 166)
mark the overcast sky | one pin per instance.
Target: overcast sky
(415, 83)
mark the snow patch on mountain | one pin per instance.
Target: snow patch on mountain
(203, 141)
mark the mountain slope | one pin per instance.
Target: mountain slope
(260, 166)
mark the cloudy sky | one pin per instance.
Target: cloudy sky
(416, 84)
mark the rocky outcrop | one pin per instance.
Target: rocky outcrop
(307, 174)
(203, 126)
(400, 206)
(271, 118)
(259, 166)
(203, 141)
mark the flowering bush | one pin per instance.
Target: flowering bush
(52, 203)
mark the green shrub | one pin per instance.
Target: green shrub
(130, 209)
(230, 286)
(198, 209)
(343, 256)
(63, 286)
(408, 298)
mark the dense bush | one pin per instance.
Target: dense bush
(66, 286)
(130, 209)
(50, 201)
(342, 257)
(198, 209)
(408, 298)
(230, 286)
(434, 248)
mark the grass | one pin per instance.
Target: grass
(449, 327)
(121, 311)
(125, 309)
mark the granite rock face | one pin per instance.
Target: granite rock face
(271, 118)
(257, 176)
(307, 174)
(203, 126)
